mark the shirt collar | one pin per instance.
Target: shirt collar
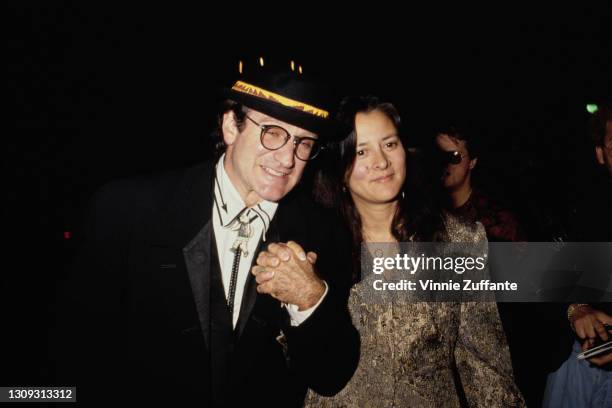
(227, 197)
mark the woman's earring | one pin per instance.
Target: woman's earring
(403, 194)
(344, 189)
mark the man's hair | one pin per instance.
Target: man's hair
(468, 136)
(217, 135)
(598, 124)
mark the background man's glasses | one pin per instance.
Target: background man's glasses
(274, 137)
(449, 157)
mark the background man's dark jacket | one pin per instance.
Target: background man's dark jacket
(138, 316)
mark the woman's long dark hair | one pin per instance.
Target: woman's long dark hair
(416, 218)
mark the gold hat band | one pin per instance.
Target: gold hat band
(253, 90)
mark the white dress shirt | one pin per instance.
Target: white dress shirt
(224, 226)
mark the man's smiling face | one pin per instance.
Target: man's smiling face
(256, 172)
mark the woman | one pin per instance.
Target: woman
(413, 354)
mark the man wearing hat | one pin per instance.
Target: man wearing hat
(170, 305)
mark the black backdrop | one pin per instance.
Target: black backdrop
(97, 93)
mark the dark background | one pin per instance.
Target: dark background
(101, 92)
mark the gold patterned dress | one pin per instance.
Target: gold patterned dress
(422, 354)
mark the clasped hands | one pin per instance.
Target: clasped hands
(286, 272)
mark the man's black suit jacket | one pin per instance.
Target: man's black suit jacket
(135, 317)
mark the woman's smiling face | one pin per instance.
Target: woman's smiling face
(379, 169)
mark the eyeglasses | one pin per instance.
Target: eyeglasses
(449, 157)
(274, 137)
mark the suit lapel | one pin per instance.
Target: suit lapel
(197, 261)
(186, 225)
